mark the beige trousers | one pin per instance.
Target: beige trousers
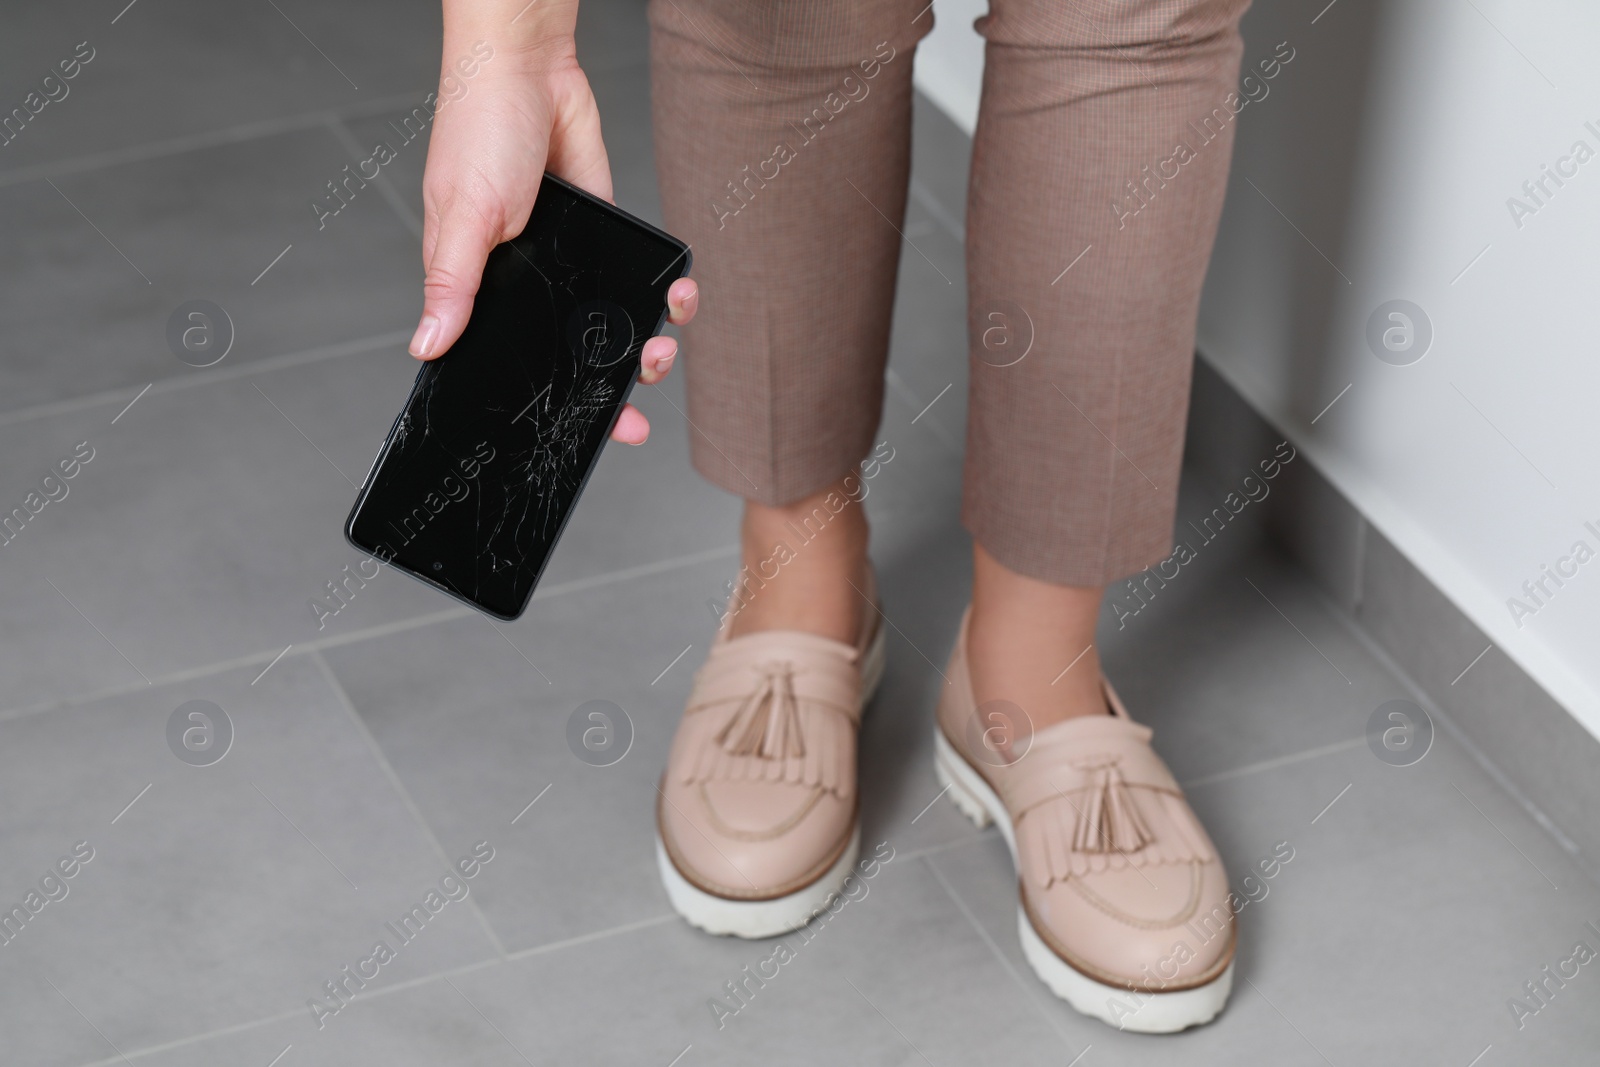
(783, 135)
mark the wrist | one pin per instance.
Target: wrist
(532, 35)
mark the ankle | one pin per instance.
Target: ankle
(803, 567)
(1032, 643)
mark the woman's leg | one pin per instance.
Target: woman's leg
(783, 148)
(1098, 172)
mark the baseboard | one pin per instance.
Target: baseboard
(1524, 737)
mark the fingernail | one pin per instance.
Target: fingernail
(422, 340)
(664, 364)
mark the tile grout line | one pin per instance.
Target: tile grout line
(415, 622)
(1030, 991)
(1248, 769)
(385, 189)
(398, 987)
(265, 365)
(507, 958)
(238, 133)
(343, 697)
(934, 850)
(1478, 756)
(190, 674)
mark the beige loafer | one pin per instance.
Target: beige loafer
(756, 818)
(1124, 909)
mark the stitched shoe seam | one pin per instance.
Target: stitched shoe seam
(1192, 903)
(759, 835)
(793, 886)
(1089, 970)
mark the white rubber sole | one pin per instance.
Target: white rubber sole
(1145, 1013)
(754, 919)
(757, 919)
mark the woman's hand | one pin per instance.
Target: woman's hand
(528, 108)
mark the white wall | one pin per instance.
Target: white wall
(1388, 149)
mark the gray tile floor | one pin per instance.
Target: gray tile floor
(382, 747)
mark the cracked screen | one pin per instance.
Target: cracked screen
(486, 461)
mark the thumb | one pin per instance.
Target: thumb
(455, 269)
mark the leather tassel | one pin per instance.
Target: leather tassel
(767, 724)
(770, 736)
(1078, 834)
(1108, 818)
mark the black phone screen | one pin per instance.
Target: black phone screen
(484, 464)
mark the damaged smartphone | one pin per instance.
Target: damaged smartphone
(486, 461)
